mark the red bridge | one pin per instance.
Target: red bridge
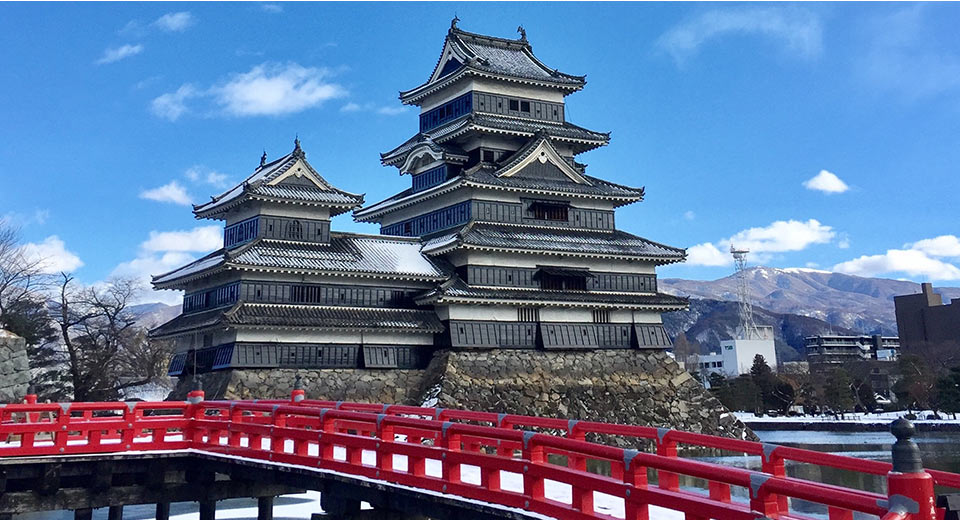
(412, 462)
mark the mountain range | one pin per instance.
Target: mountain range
(844, 301)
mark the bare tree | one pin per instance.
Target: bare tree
(20, 277)
(105, 351)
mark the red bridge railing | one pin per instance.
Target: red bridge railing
(482, 456)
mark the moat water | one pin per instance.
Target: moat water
(940, 450)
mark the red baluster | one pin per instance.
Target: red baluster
(534, 456)
(667, 448)
(450, 441)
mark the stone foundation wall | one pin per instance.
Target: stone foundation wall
(643, 387)
(361, 385)
(14, 367)
(620, 386)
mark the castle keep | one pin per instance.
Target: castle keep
(498, 276)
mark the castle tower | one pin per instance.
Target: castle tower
(496, 191)
(287, 292)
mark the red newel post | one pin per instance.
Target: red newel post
(194, 412)
(909, 487)
(298, 394)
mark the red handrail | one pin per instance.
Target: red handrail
(477, 455)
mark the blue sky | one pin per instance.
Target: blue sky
(824, 136)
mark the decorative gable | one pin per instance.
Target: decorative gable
(300, 173)
(540, 160)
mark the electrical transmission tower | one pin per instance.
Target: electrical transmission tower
(747, 328)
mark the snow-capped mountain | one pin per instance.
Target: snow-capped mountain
(851, 302)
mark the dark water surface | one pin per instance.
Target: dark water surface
(940, 450)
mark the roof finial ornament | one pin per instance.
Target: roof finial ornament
(297, 151)
(453, 23)
(523, 33)
(263, 158)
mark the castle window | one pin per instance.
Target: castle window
(525, 106)
(515, 105)
(528, 314)
(562, 278)
(548, 210)
(294, 230)
(488, 156)
(601, 316)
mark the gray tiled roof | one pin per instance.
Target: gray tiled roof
(398, 154)
(189, 322)
(501, 57)
(597, 187)
(615, 243)
(305, 193)
(524, 127)
(460, 289)
(346, 253)
(204, 264)
(255, 184)
(312, 316)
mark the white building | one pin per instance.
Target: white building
(736, 355)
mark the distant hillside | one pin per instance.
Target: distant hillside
(852, 302)
(710, 321)
(150, 315)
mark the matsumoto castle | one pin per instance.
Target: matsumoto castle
(501, 240)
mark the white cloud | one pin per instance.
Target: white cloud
(16, 219)
(272, 8)
(172, 105)
(211, 177)
(392, 110)
(118, 53)
(171, 192)
(782, 236)
(707, 254)
(779, 237)
(266, 90)
(198, 239)
(386, 110)
(844, 242)
(164, 251)
(354, 107)
(911, 262)
(941, 246)
(798, 30)
(689, 215)
(272, 89)
(175, 22)
(144, 267)
(826, 182)
(52, 255)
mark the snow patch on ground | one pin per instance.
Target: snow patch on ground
(923, 417)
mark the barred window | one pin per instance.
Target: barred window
(528, 314)
(294, 230)
(601, 316)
